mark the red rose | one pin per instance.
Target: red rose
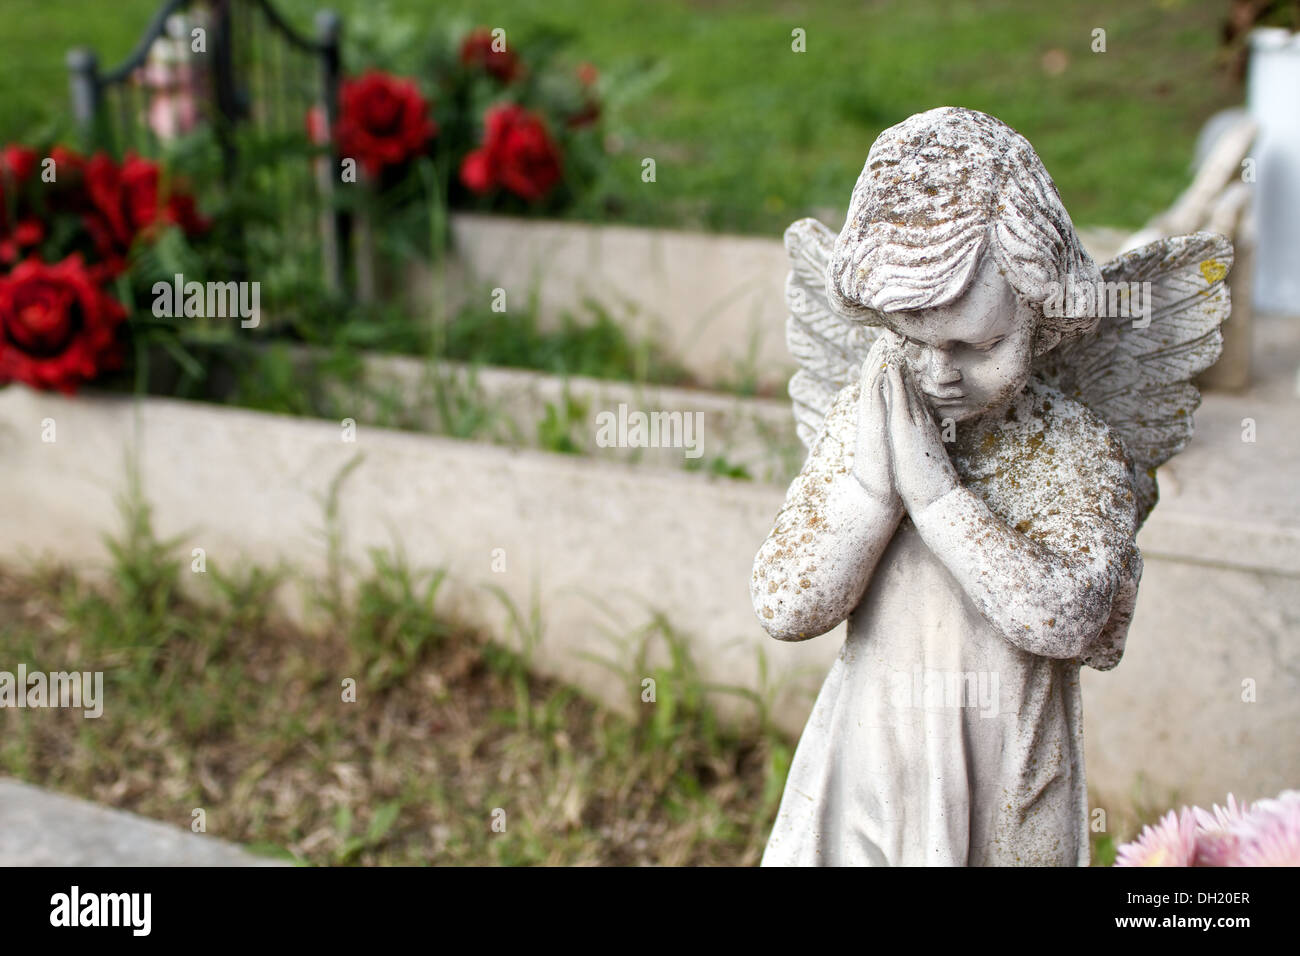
(125, 203)
(517, 154)
(29, 232)
(182, 211)
(106, 222)
(476, 172)
(383, 121)
(26, 234)
(139, 192)
(57, 327)
(478, 52)
(123, 200)
(18, 162)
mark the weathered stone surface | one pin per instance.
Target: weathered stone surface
(41, 828)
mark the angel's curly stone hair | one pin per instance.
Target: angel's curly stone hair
(939, 190)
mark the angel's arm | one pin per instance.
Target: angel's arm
(815, 565)
(1047, 598)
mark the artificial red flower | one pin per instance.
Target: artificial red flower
(476, 172)
(125, 203)
(479, 52)
(29, 232)
(58, 328)
(18, 162)
(25, 234)
(181, 210)
(383, 120)
(517, 154)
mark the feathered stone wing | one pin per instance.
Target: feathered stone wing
(1137, 377)
(830, 349)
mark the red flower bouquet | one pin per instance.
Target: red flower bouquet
(66, 228)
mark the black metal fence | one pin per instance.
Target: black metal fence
(232, 67)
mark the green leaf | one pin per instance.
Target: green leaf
(382, 821)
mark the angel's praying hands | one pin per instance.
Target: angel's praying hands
(922, 471)
(872, 462)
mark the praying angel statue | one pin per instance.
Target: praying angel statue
(985, 411)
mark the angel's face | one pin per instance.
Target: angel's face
(973, 355)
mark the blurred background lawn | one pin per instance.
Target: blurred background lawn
(748, 135)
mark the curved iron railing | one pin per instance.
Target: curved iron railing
(244, 76)
(156, 28)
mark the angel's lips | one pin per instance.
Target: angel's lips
(940, 400)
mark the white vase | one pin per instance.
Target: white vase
(1273, 98)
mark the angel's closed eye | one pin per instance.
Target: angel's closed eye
(988, 346)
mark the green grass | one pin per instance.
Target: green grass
(748, 135)
(596, 346)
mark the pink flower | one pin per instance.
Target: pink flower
(1217, 844)
(1171, 842)
(1269, 834)
(1220, 818)
(1266, 833)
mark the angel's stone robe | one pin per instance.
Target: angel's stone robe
(935, 740)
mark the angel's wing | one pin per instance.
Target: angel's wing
(1137, 377)
(830, 349)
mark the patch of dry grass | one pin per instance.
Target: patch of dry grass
(214, 701)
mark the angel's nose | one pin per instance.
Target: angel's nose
(941, 369)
